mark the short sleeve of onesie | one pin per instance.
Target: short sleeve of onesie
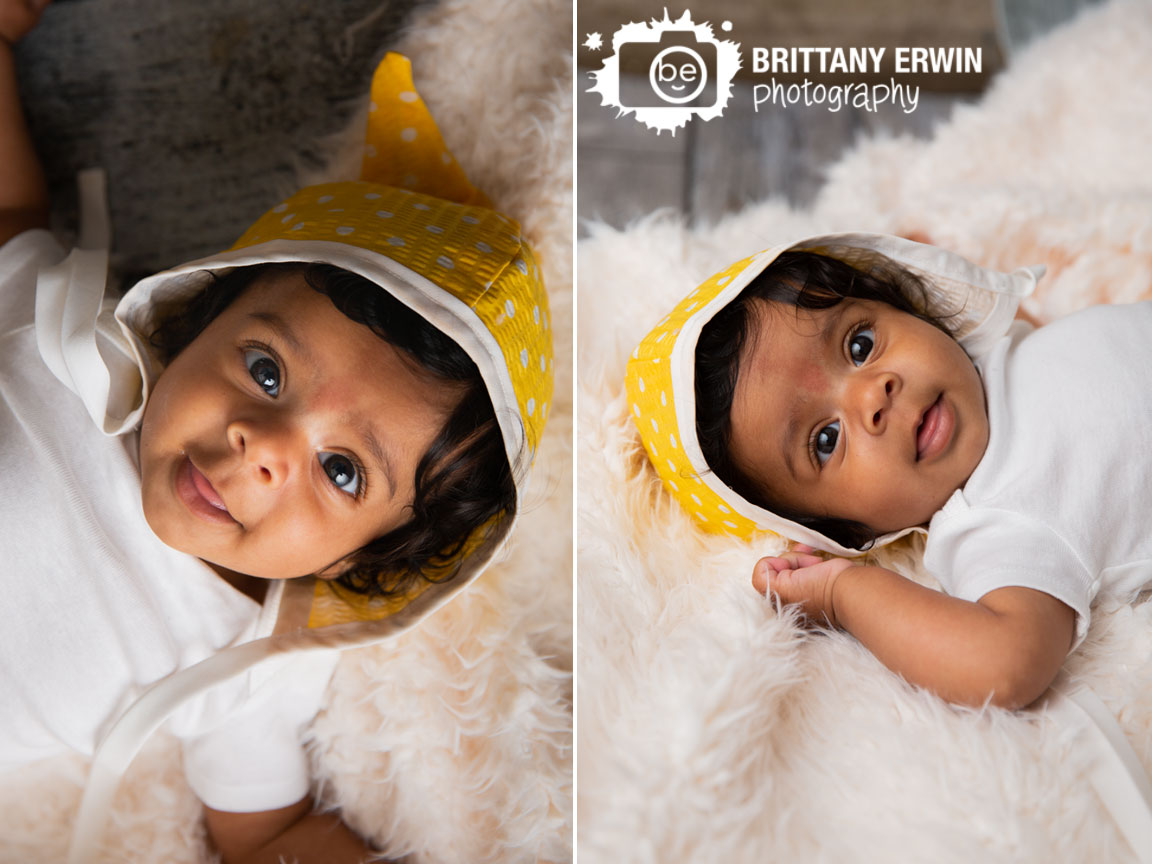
(976, 550)
(255, 759)
(1060, 500)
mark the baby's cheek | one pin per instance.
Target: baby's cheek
(163, 403)
(811, 379)
(300, 542)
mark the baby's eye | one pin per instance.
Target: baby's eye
(264, 371)
(342, 472)
(860, 345)
(824, 444)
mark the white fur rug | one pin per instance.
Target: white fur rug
(712, 730)
(452, 743)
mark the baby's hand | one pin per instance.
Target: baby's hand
(802, 578)
(18, 17)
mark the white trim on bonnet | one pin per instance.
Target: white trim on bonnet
(939, 265)
(438, 306)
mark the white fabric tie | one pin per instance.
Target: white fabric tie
(80, 340)
(1117, 774)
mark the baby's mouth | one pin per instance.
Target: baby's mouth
(199, 495)
(934, 431)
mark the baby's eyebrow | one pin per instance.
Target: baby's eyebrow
(829, 337)
(299, 348)
(789, 438)
(379, 456)
(831, 327)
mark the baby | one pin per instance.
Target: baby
(306, 442)
(848, 389)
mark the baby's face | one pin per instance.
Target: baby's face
(858, 412)
(285, 436)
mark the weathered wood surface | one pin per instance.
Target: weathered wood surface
(626, 170)
(196, 109)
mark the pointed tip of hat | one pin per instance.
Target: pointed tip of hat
(403, 145)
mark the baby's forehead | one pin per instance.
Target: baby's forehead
(780, 328)
(788, 350)
(315, 326)
(280, 280)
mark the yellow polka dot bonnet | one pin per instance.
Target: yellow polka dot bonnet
(416, 226)
(660, 376)
(412, 224)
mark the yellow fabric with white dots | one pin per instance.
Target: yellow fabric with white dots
(650, 382)
(416, 207)
(979, 305)
(474, 253)
(404, 147)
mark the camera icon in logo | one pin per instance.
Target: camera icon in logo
(681, 71)
(689, 71)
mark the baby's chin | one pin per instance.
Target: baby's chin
(253, 586)
(176, 535)
(275, 573)
(917, 515)
(240, 569)
(224, 564)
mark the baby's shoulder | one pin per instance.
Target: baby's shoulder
(1094, 340)
(1106, 319)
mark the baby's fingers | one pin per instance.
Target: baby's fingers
(767, 567)
(792, 561)
(760, 575)
(764, 568)
(807, 587)
(788, 584)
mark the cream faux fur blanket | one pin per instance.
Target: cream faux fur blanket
(453, 742)
(711, 729)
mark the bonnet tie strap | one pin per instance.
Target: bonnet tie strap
(1117, 774)
(77, 336)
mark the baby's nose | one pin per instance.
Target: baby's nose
(876, 395)
(269, 449)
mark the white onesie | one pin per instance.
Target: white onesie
(1062, 499)
(96, 608)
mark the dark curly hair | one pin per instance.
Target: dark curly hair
(464, 480)
(803, 280)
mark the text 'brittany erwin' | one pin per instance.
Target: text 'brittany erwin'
(828, 60)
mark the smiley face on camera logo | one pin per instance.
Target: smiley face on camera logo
(674, 71)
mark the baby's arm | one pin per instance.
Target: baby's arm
(23, 192)
(292, 833)
(1007, 647)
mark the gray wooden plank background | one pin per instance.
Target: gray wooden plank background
(708, 169)
(626, 170)
(198, 110)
